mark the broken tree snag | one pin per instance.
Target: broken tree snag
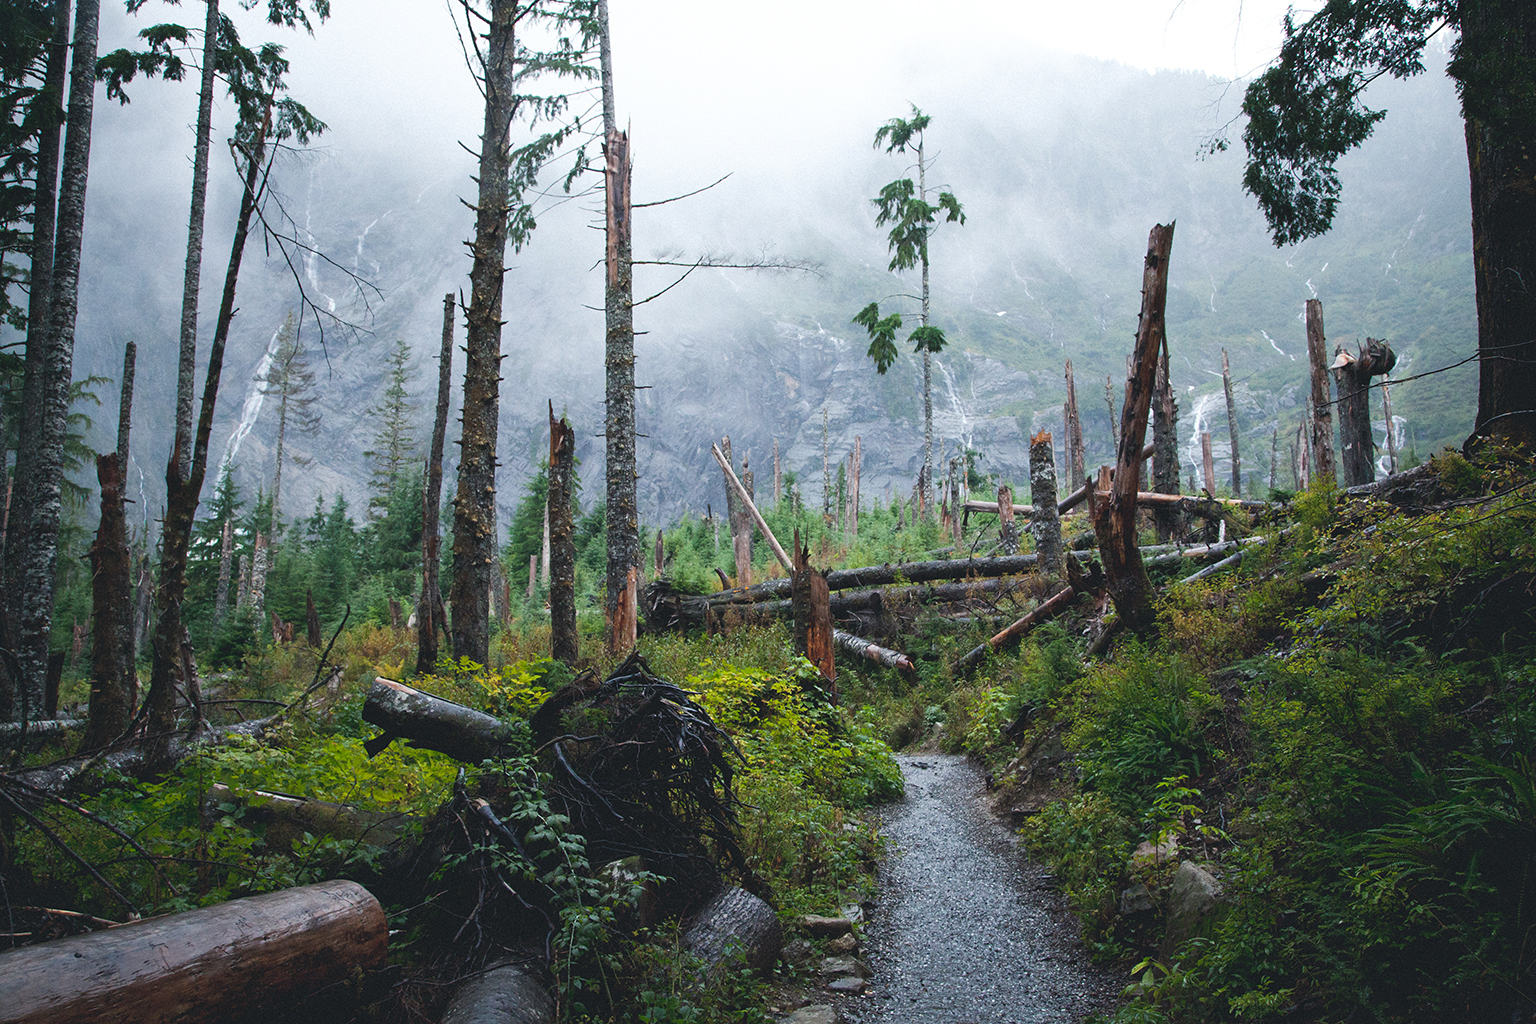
(1007, 530)
(1226, 386)
(247, 959)
(111, 705)
(1045, 524)
(1048, 610)
(785, 562)
(1073, 425)
(626, 613)
(1352, 372)
(861, 648)
(1321, 439)
(562, 545)
(429, 605)
(462, 733)
(1207, 464)
(1165, 450)
(1114, 516)
(811, 605)
(855, 468)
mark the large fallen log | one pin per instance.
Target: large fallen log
(859, 647)
(134, 757)
(242, 960)
(735, 924)
(434, 723)
(508, 994)
(287, 818)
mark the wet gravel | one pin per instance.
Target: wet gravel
(966, 930)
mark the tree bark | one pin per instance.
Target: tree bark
(811, 606)
(34, 536)
(623, 524)
(182, 491)
(1165, 445)
(871, 651)
(111, 705)
(186, 363)
(246, 959)
(1074, 433)
(1047, 610)
(1226, 387)
(429, 606)
(1496, 36)
(474, 519)
(1322, 405)
(1007, 531)
(434, 723)
(735, 924)
(509, 994)
(1114, 518)
(1352, 373)
(1045, 523)
(1208, 463)
(562, 546)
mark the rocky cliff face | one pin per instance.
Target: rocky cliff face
(1047, 268)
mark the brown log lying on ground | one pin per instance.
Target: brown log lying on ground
(735, 924)
(462, 733)
(1183, 501)
(1049, 609)
(859, 647)
(287, 818)
(685, 611)
(241, 960)
(508, 994)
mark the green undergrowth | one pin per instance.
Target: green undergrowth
(1341, 733)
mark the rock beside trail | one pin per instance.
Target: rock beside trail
(848, 985)
(1135, 900)
(815, 924)
(844, 965)
(820, 1013)
(1193, 899)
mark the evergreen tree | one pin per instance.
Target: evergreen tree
(293, 382)
(206, 552)
(335, 561)
(904, 205)
(392, 542)
(394, 444)
(525, 536)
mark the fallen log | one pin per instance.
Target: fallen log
(134, 757)
(286, 818)
(862, 648)
(434, 723)
(241, 960)
(735, 924)
(1048, 610)
(508, 994)
(1212, 570)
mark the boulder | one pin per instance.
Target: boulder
(815, 924)
(817, 1013)
(1135, 900)
(1193, 900)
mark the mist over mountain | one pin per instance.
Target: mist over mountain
(1063, 164)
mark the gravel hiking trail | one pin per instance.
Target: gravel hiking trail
(965, 930)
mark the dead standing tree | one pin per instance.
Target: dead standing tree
(429, 606)
(1114, 512)
(1352, 373)
(562, 546)
(1322, 408)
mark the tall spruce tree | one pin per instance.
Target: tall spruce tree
(394, 450)
(904, 205)
(292, 382)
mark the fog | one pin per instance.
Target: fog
(1067, 131)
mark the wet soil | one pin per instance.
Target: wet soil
(966, 930)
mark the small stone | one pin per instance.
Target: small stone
(798, 951)
(815, 924)
(844, 944)
(853, 986)
(843, 965)
(1148, 853)
(818, 1013)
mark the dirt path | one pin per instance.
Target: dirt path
(965, 931)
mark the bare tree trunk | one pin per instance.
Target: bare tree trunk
(1045, 522)
(182, 491)
(826, 473)
(1322, 407)
(1114, 515)
(186, 364)
(429, 605)
(778, 474)
(1074, 428)
(1208, 463)
(1165, 450)
(226, 552)
(1007, 531)
(34, 537)
(1352, 374)
(311, 620)
(856, 467)
(562, 546)
(110, 709)
(474, 519)
(623, 528)
(811, 603)
(1226, 386)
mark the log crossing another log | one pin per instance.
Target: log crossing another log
(243, 960)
